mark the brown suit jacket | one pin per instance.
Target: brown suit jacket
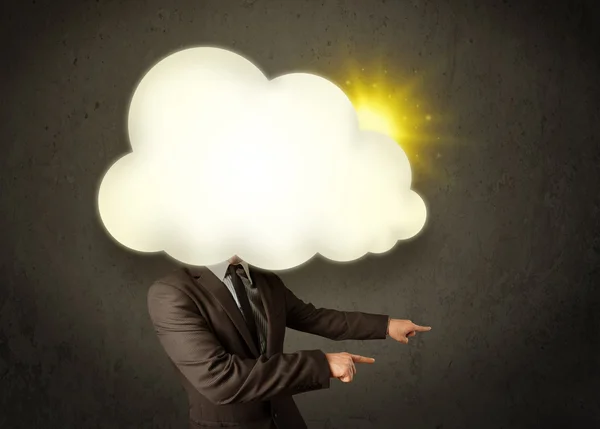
(229, 384)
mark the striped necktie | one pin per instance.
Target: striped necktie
(251, 305)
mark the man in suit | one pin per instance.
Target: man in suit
(223, 328)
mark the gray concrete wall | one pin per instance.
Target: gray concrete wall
(506, 270)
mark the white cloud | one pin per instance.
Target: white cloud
(226, 162)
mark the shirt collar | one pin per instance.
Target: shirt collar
(220, 269)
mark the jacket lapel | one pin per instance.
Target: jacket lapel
(216, 287)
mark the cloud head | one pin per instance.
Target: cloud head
(225, 161)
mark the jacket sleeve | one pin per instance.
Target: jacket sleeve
(332, 324)
(222, 377)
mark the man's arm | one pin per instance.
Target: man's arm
(222, 377)
(332, 324)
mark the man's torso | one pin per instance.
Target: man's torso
(217, 306)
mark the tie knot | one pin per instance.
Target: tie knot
(236, 270)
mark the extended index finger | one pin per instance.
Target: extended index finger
(421, 328)
(362, 359)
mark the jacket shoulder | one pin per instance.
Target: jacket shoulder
(176, 279)
(270, 276)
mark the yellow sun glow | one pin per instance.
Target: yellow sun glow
(384, 106)
(386, 103)
(375, 118)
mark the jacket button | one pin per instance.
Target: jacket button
(275, 415)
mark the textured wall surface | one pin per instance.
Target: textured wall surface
(506, 270)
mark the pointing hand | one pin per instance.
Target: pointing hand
(341, 365)
(400, 329)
